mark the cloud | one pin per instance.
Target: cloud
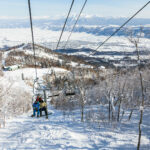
(11, 17)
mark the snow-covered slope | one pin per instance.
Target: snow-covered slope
(90, 32)
(60, 132)
(16, 94)
(63, 129)
(81, 44)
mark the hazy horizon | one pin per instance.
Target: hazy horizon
(114, 8)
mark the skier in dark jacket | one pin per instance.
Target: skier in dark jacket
(36, 108)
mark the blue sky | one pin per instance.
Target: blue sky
(106, 8)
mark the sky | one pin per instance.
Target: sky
(55, 8)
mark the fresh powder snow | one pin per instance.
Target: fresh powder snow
(66, 131)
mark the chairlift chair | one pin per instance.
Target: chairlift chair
(40, 89)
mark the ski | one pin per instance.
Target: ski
(47, 114)
(43, 115)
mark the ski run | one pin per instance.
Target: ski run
(67, 133)
(64, 130)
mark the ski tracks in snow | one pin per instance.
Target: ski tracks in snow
(58, 133)
(38, 133)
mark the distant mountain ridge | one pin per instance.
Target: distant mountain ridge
(93, 25)
(84, 20)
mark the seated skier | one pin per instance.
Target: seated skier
(38, 98)
(43, 107)
(36, 108)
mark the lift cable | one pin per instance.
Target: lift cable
(75, 23)
(63, 28)
(32, 34)
(64, 24)
(121, 27)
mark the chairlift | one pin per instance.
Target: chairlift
(40, 89)
(55, 93)
(71, 91)
(70, 94)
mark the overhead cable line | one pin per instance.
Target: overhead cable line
(32, 34)
(122, 26)
(75, 23)
(64, 24)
